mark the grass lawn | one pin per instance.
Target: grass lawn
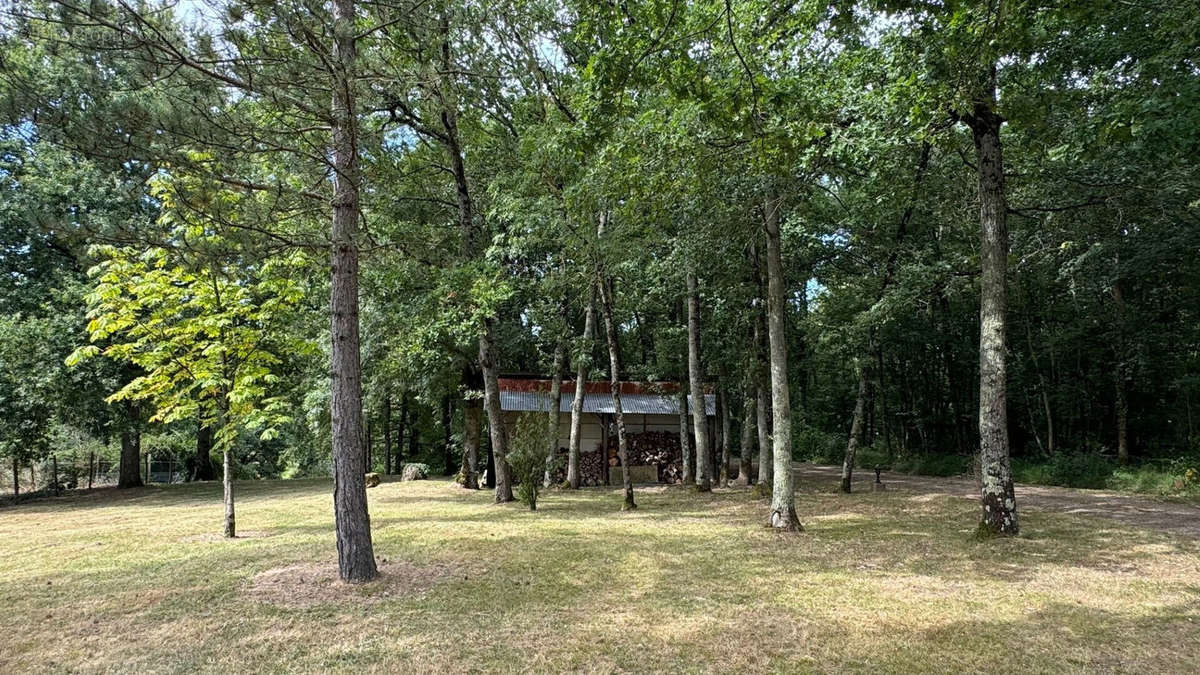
(880, 582)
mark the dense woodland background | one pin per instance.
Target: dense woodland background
(164, 225)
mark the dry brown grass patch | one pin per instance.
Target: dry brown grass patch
(309, 584)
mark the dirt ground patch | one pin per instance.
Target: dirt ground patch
(217, 536)
(308, 584)
(1169, 517)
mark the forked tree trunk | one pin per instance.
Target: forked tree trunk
(783, 497)
(855, 430)
(748, 430)
(614, 365)
(130, 472)
(997, 496)
(696, 383)
(582, 361)
(356, 557)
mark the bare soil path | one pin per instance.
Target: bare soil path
(1171, 517)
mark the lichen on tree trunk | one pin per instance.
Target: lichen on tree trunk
(998, 499)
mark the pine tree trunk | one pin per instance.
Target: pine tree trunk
(130, 475)
(998, 497)
(356, 557)
(204, 447)
(696, 383)
(855, 428)
(783, 498)
(614, 365)
(583, 359)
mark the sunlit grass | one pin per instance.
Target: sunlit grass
(879, 582)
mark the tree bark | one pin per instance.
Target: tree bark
(582, 362)
(997, 496)
(204, 446)
(855, 429)
(766, 453)
(696, 383)
(356, 557)
(130, 473)
(16, 478)
(783, 498)
(614, 365)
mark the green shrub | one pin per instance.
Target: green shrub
(820, 447)
(1066, 469)
(527, 456)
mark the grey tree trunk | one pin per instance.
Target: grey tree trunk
(766, 452)
(855, 430)
(614, 366)
(230, 529)
(748, 430)
(356, 557)
(783, 497)
(696, 383)
(998, 498)
(582, 362)
(688, 477)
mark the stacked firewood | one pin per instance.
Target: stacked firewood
(591, 467)
(650, 448)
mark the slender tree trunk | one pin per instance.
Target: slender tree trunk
(685, 436)
(998, 497)
(748, 429)
(447, 447)
(204, 447)
(16, 478)
(723, 436)
(54, 470)
(855, 428)
(91, 469)
(387, 432)
(472, 428)
(131, 450)
(696, 382)
(783, 497)
(614, 365)
(491, 402)
(582, 362)
(356, 556)
(766, 452)
(555, 412)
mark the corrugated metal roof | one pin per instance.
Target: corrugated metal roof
(638, 404)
